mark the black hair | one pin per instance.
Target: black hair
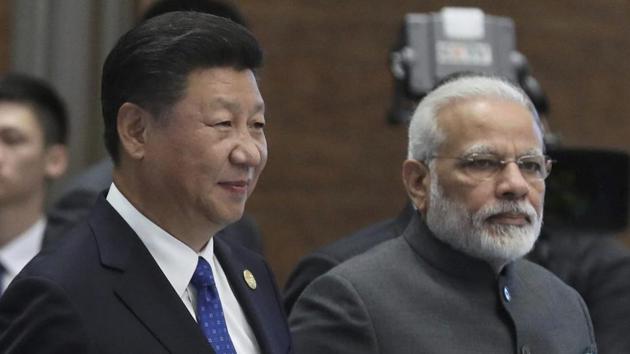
(42, 98)
(150, 64)
(217, 8)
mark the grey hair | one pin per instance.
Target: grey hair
(425, 136)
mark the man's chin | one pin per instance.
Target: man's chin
(509, 242)
(229, 216)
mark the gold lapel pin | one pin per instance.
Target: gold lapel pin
(249, 279)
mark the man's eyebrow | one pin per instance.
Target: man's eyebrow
(485, 149)
(259, 107)
(479, 149)
(532, 151)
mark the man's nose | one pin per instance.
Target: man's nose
(511, 182)
(247, 151)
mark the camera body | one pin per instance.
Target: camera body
(436, 45)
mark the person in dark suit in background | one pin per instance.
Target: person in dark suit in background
(454, 282)
(184, 125)
(81, 192)
(33, 131)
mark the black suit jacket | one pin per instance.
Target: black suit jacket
(101, 291)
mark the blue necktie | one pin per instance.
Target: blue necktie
(209, 310)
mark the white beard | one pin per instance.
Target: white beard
(471, 234)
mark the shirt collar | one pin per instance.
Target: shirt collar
(176, 260)
(23, 248)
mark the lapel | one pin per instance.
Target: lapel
(141, 284)
(261, 306)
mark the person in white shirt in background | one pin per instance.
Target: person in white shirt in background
(33, 132)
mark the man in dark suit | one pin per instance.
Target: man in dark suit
(33, 131)
(184, 125)
(455, 281)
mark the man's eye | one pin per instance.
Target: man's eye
(259, 125)
(482, 163)
(225, 123)
(530, 166)
(12, 138)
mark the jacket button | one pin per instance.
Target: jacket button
(506, 294)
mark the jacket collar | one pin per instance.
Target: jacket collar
(447, 259)
(148, 294)
(260, 305)
(142, 286)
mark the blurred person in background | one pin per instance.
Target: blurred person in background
(33, 134)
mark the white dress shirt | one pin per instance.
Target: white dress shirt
(15, 254)
(178, 262)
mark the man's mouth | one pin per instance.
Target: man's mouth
(517, 219)
(238, 186)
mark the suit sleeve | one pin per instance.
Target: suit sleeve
(589, 323)
(605, 286)
(36, 317)
(330, 317)
(307, 270)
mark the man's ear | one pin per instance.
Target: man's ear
(416, 177)
(55, 161)
(131, 123)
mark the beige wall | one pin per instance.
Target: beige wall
(334, 162)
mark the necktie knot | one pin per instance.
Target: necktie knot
(202, 277)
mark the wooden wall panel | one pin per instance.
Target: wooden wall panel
(5, 35)
(334, 162)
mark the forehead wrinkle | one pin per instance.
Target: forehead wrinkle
(221, 102)
(234, 106)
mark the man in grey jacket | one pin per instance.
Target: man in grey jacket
(455, 282)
